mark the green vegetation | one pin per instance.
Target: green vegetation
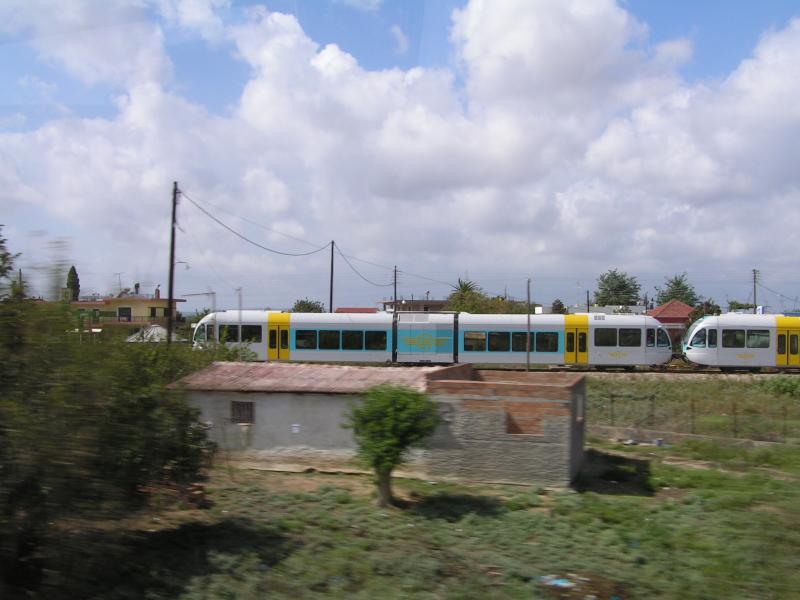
(616, 287)
(306, 305)
(469, 297)
(640, 527)
(748, 407)
(677, 288)
(73, 284)
(390, 420)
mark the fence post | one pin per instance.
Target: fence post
(692, 416)
(735, 421)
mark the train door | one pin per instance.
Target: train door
(576, 339)
(278, 333)
(788, 342)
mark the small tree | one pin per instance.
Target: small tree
(306, 305)
(616, 287)
(6, 261)
(558, 307)
(389, 421)
(707, 307)
(677, 288)
(73, 283)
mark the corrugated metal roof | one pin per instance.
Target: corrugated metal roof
(308, 378)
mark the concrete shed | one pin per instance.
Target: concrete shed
(497, 426)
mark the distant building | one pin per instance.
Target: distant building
(675, 316)
(356, 310)
(134, 311)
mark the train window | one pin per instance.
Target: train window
(228, 333)
(699, 339)
(305, 339)
(782, 343)
(474, 341)
(651, 337)
(375, 340)
(570, 342)
(251, 333)
(352, 340)
(519, 341)
(547, 341)
(712, 338)
(793, 344)
(328, 340)
(581, 342)
(284, 339)
(498, 341)
(273, 338)
(200, 334)
(210, 332)
(733, 338)
(630, 338)
(663, 339)
(758, 338)
(605, 336)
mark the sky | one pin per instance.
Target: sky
(493, 140)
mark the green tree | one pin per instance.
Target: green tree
(707, 307)
(467, 296)
(73, 283)
(736, 305)
(558, 307)
(6, 263)
(306, 305)
(677, 288)
(390, 420)
(616, 287)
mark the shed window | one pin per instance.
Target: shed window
(605, 337)
(630, 338)
(242, 412)
(475, 341)
(305, 339)
(499, 341)
(733, 338)
(519, 341)
(352, 340)
(758, 338)
(328, 340)
(375, 340)
(547, 341)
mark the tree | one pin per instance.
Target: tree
(736, 305)
(558, 307)
(677, 288)
(6, 261)
(307, 305)
(616, 287)
(73, 283)
(466, 285)
(707, 307)
(390, 420)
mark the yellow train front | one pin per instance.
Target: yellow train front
(414, 338)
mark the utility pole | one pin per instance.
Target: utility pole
(755, 279)
(239, 293)
(587, 301)
(528, 334)
(330, 303)
(171, 301)
(394, 298)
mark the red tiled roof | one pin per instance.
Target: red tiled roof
(674, 309)
(308, 378)
(356, 309)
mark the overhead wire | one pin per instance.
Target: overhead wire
(246, 239)
(349, 264)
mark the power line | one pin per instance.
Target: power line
(349, 264)
(246, 239)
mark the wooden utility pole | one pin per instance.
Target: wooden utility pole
(171, 291)
(755, 279)
(528, 334)
(330, 301)
(587, 301)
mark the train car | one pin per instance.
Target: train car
(742, 341)
(422, 337)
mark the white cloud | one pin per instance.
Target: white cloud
(400, 40)
(366, 5)
(573, 147)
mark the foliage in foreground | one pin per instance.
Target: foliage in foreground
(390, 420)
(639, 528)
(86, 423)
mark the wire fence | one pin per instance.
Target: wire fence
(750, 418)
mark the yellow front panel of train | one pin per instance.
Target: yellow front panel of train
(279, 336)
(576, 339)
(788, 341)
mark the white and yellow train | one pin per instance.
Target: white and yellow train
(414, 337)
(741, 341)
